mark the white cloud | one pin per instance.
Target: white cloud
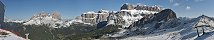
(188, 7)
(176, 4)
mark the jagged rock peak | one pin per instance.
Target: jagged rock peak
(140, 7)
(203, 16)
(167, 13)
(40, 14)
(204, 20)
(127, 7)
(164, 15)
(56, 15)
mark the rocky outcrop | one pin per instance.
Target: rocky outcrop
(102, 17)
(53, 20)
(156, 22)
(127, 7)
(56, 15)
(120, 17)
(126, 16)
(164, 15)
(41, 14)
(151, 23)
(89, 17)
(94, 17)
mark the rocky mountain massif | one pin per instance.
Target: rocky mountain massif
(166, 26)
(126, 16)
(54, 19)
(132, 22)
(123, 17)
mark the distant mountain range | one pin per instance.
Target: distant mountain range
(139, 22)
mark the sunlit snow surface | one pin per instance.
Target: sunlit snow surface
(76, 21)
(10, 36)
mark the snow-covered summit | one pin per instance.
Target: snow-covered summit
(205, 20)
(138, 6)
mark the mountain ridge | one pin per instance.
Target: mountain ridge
(138, 22)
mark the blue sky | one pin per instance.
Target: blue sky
(24, 9)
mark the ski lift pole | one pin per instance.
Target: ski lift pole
(203, 29)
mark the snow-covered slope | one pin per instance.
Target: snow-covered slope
(150, 22)
(128, 17)
(9, 36)
(76, 21)
(167, 28)
(185, 31)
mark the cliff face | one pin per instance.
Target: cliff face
(126, 16)
(89, 18)
(94, 17)
(56, 15)
(164, 15)
(127, 7)
(41, 14)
